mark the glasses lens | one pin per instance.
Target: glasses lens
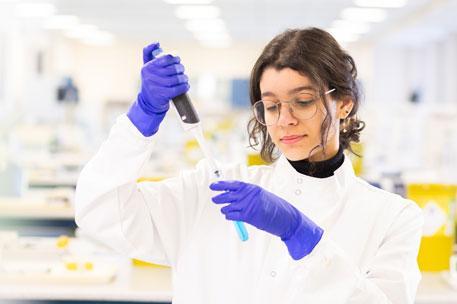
(266, 113)
(304, 106)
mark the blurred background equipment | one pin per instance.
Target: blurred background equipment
(67, 92)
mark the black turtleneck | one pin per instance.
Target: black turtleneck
(319, 169)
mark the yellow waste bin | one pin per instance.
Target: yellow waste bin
(437, 202)
(357, 160)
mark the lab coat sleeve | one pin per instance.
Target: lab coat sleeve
(328, 275)
(147, 220)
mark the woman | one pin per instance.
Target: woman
(317, 233)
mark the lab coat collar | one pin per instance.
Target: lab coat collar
(337, 183)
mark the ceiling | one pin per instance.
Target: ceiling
(255, 21)
(246, 20)
(431, 21)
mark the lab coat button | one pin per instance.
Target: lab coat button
(298, 192)
(273, 273)
(326, 261)
(299, 180)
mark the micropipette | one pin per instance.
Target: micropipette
(191, 122)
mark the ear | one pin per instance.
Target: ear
(344, 107)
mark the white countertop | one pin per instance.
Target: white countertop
(132, 283)
(32, 207)
(128, 283)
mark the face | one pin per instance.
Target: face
(296, 138)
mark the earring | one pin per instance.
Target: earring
(345, 125)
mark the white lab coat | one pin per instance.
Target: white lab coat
(367, 254)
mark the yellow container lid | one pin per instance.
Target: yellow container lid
(442, 189)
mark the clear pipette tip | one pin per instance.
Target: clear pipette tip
(197, 131)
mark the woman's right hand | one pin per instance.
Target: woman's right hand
(162, 79)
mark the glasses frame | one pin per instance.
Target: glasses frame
(287, 102)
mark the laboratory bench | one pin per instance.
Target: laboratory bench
(38, 213)
(41, 204)
(132, 284)
(75, 269)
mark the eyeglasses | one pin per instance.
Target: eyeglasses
(303, 107)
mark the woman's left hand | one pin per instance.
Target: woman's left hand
(266, 211)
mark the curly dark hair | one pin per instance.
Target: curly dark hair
(316, 54)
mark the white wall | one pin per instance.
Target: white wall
(449, 65)
(430, 67)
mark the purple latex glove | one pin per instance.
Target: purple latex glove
(266, 211)
(162, 79)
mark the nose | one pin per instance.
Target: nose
(286, 116)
